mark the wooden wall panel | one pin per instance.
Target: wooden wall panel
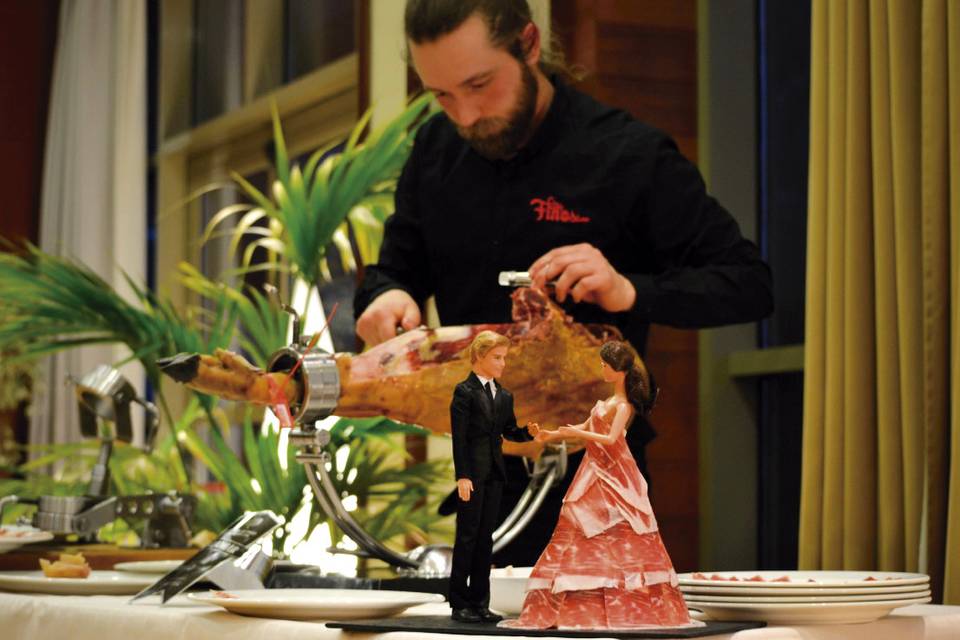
(641, 57)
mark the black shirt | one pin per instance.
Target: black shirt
(592, 174)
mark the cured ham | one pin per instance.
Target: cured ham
(229, 376)
(411, 377)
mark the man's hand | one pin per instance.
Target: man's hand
(584, 273)
(379, 321)
(465, 488)
(533, 428)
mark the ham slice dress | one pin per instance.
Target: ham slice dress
(605, 566)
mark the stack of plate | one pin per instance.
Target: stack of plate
(13, 536)
(803, 597)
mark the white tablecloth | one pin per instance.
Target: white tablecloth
(25, 616)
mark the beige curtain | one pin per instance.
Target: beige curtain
(881, 448)
(94, 181)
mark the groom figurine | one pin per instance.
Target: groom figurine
(481, 414)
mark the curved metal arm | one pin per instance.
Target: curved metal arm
(100, 476)
(152, 426)
(539, 485)
(323, 489)
(517, 511)
(522, 514)
(5, 501)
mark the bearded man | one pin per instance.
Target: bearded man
(522, 172)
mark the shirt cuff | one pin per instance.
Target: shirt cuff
(646, 293)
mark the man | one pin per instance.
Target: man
(481, 414)
(522, 172)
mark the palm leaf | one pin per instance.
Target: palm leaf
(53, 303)
(308, 208)
(263, 325)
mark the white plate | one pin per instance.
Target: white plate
(315, 604)
(15, 535)
(148, 566)
(813, 590)
(818, 613)
(847, 579)
(99, 582)
(746, 599)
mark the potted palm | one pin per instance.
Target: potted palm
(54, 303)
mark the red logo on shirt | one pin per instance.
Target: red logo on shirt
(552, 210)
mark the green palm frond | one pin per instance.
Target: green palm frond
(309, 208)
(344, 431)
(410, 514)
(263, 325)
(52, 303)
(367, 221)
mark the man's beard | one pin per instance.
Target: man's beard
(501, 138)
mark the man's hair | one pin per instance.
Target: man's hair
(429, 20)
(484, 342)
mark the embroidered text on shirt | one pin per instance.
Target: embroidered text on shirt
(552, 210)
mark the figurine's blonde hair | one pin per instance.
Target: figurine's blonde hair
(484, 342)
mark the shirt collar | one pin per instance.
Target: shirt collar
(483, 380)
(552, 123)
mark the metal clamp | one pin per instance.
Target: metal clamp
(319, 378)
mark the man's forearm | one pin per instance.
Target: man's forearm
(701, 298)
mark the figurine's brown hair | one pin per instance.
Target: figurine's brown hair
(484, 342)
(641, 389)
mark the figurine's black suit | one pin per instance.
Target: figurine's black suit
(477, 425)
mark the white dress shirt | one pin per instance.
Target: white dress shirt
(493, 387)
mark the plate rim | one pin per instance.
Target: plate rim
(759, 589)
(313, 610)
(127, 566)
(36, 582)
(11, 543)
(904, 578)
(421, 597)
(849, 613)
(808, 599)
(816, 606)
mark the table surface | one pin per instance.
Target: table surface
(99, 555)
(26, 616)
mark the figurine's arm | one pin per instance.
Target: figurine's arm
(554, 434)
(513, 432)
(616, 430)
(459, 424)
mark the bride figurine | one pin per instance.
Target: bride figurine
(605, 566)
